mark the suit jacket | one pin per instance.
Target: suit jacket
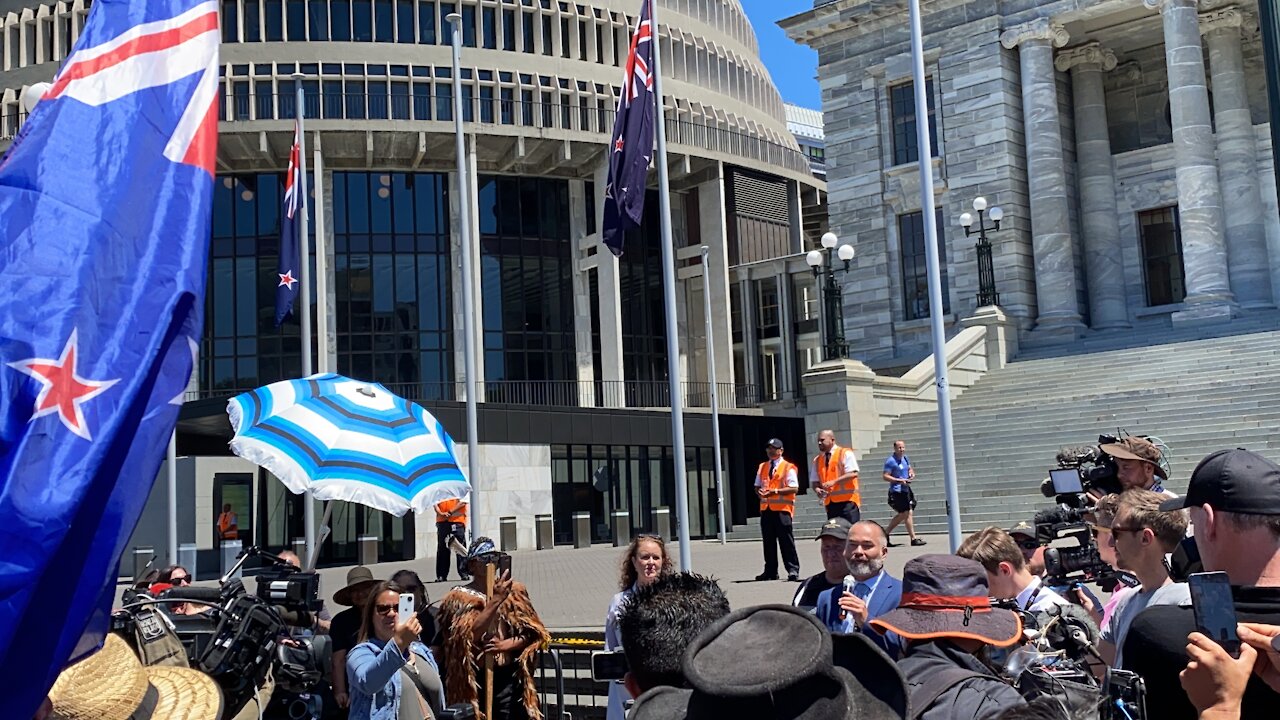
(884, 598)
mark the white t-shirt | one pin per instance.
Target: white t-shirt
(1135, 602)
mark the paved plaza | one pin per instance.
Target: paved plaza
(571, 588)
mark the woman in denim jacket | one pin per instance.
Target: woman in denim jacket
(374, 679)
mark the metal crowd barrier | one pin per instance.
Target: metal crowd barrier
(564, 683)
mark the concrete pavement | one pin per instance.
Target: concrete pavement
(572, 588)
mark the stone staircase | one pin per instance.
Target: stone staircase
(1196, 392)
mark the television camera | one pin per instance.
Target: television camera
(1072, 552)
(240, 637)
(1055, 660)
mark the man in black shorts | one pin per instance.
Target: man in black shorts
(899, 474)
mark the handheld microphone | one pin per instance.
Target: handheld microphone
(849, 583)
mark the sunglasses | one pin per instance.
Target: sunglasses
(185, 579)
(381, 609)
(1126, 529)
(1028, 545)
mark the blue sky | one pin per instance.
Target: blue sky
(792, 66)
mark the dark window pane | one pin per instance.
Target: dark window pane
(275, 20)
(230, 21)
(1162, 256)
(489, 31)
(400, 101)
(355, 99)
(469, 25)
(384, 28)
(341, 20)
(252, 27)
(319, 12)
(508, 30)
(446, 27)
(297, 11)
(547, 44)
(444, 101)
(421, 101)
(915, 276)
(526, 23)
(362, 20)
(378, 101)
(902, 109)
(404, 21)
(426, 22)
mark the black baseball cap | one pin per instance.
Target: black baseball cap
(1236, 481)
(774, 443)
(836, 527)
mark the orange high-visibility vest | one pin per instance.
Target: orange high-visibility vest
(781, 503)
(225, 525)
(843, 491)
(451, 511)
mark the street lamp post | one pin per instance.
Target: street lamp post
(987, 294)
(823, 261)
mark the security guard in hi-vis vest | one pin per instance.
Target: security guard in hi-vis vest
(451, 520)
(777, 484)
(833, 475)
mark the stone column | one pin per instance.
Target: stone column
(1204, 253)
(1095, 175)
(1051, 242)
(1247, 261)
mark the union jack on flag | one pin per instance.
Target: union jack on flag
(631, 145)
(105, 201)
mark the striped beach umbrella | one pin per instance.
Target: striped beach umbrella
(350, 440)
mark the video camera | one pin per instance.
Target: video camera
(1081, 470)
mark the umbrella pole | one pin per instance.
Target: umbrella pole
(314, 553)
(488, 569)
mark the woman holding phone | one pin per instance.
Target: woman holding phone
(646, 560)
(389, 672)
(502, 625)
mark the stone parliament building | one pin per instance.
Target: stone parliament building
(1125, 140)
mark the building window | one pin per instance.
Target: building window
(1162, 256)
(767, 308)
(902, 108)
(527, 283)
(915, 275)
(230, 21)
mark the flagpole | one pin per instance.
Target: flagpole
(468, 294)
(941, 385)
(669, 301)
(715, 391)
(171, 465)
(304, 280)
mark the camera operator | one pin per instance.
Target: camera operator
(1138, 464)
(1007, 573)
(947, 621)
(1141, 535)
(1234, 500)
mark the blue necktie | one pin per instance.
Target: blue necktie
(861, 591)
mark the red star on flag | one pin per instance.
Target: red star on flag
(617, 146)
(287, 280)
(63, 390)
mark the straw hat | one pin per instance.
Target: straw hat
(112, 684)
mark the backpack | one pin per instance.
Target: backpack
(922, 696)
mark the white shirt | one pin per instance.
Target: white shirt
(848, 465)
(792, 479)
(1038, 597)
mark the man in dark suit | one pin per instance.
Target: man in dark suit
(872, 592)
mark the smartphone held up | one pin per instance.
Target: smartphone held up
(1215, 609)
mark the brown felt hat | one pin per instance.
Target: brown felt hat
(946, 596)
(358, 578)
(1136, 448)
(112, 684)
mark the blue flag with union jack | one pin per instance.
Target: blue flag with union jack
(105, 201)
(290, 225)
(631, 146)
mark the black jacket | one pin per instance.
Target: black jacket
(1156, 649)
(974, 699)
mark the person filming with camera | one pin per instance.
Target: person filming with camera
(1138, 464)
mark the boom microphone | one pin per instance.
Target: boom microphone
(199, 594)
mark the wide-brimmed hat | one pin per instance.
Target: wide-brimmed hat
(798, 681)
(1136, 448)
(112, 684)
(946, 596)
(358, 578)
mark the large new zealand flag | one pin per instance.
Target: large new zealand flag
(105, 200)
(631, 146)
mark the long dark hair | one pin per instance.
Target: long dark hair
(370, 603)
(629, 574)
(166, 575)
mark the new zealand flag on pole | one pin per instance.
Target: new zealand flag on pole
(105, 198)
(290, 224)
(631, 146)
